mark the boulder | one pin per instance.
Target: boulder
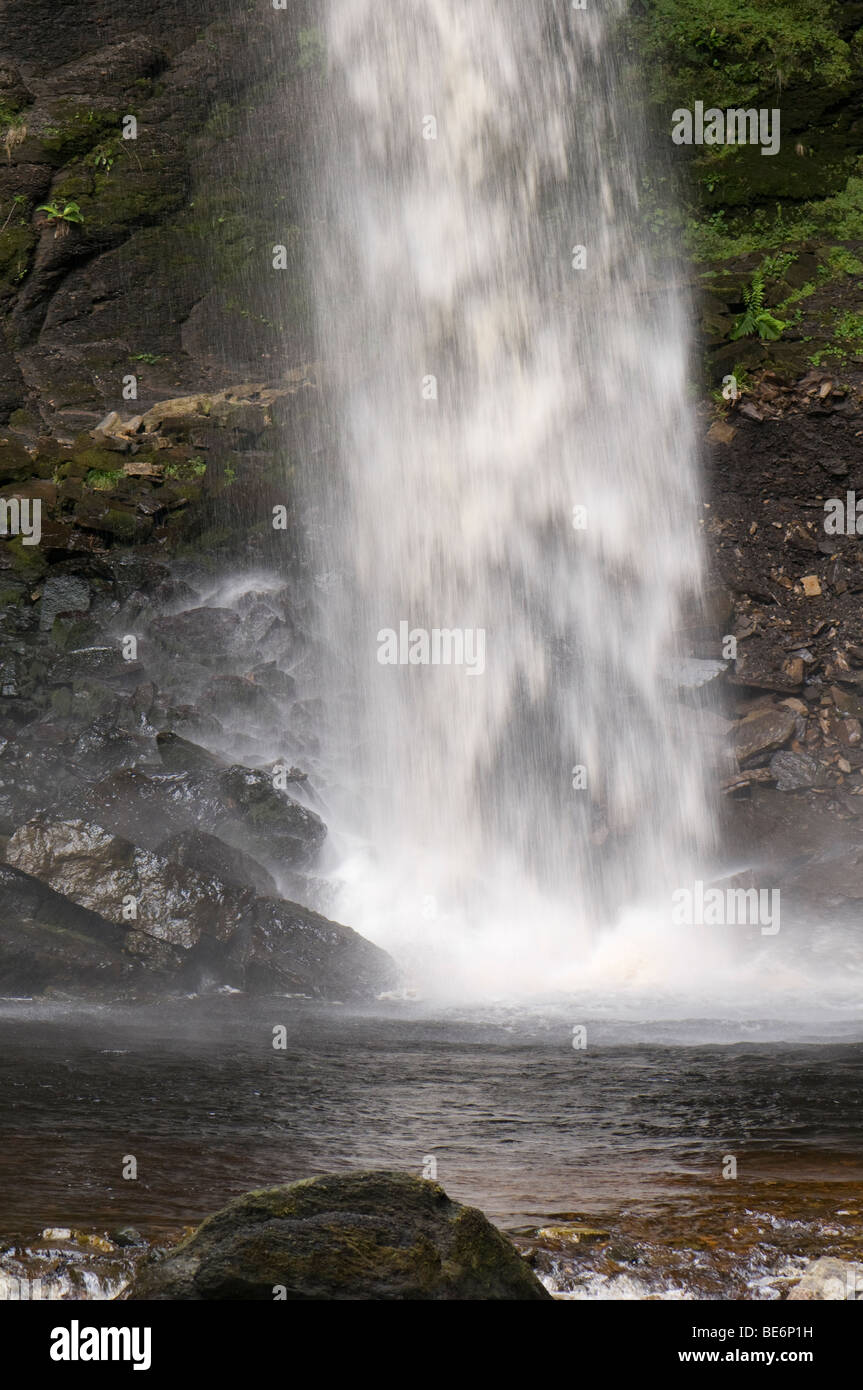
(236, 803)
(208, 855)
(204, 634)
(294, 950)
(763, 731)
(180, 755)
(795, 771)
(101, 872)
(194, 925)
(47, 942)
(31, 780)
(367, 1235)
(829, 1279)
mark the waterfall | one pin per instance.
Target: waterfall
(508, 459)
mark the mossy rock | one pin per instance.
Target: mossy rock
(16, 250)
(127, 197)
(73, 130)
(367, 1235)
(15, 462)
(27, 561)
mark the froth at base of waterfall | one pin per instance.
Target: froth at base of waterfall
(508, 470)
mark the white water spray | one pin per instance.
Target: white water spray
(514, 456)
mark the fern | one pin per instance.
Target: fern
(756, 319)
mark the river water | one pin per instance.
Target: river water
(614, 1154)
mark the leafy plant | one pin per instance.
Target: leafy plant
(62, 215)
(150, 358)
(849, 329)
(756, 319)
(102, 157)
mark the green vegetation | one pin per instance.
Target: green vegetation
(757, 320)
(57, 212)
(103, 156)
(849, 329)
(76, 130)
(185, 472)
(804, 57)
(734, 52)
(312, 52)
(104, 481)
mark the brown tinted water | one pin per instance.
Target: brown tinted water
(616, 1154)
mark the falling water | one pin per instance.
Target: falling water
(486, 381)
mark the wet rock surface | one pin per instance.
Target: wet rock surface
(829, 1279)
(49, 944)
(178, 924)
(373, 1235)
(128, 687)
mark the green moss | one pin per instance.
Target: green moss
(104, 481)
(187, 471)
(113, 201)
(123, 525)
(27, 560)
(16, 249)
(740, 52)
(88, 458)
(311, 52)
(804, 57)
(75, 130)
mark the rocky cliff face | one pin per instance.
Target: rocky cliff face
(161, 271)
(151, 378)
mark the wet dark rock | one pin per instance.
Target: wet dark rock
(212, 857)
(275, 681)
(104, 747)
(795, 771)
(291, 946)
(33, 779)
(48, 942)
(202, 634)
(190, 923)
(372, 1235)
(126, 1236)
(179, 755)
(761, 732)
(238, 804)
(189, 719)
(103, 873)
(230, 695)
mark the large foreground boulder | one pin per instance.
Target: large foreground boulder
(374, 1235)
